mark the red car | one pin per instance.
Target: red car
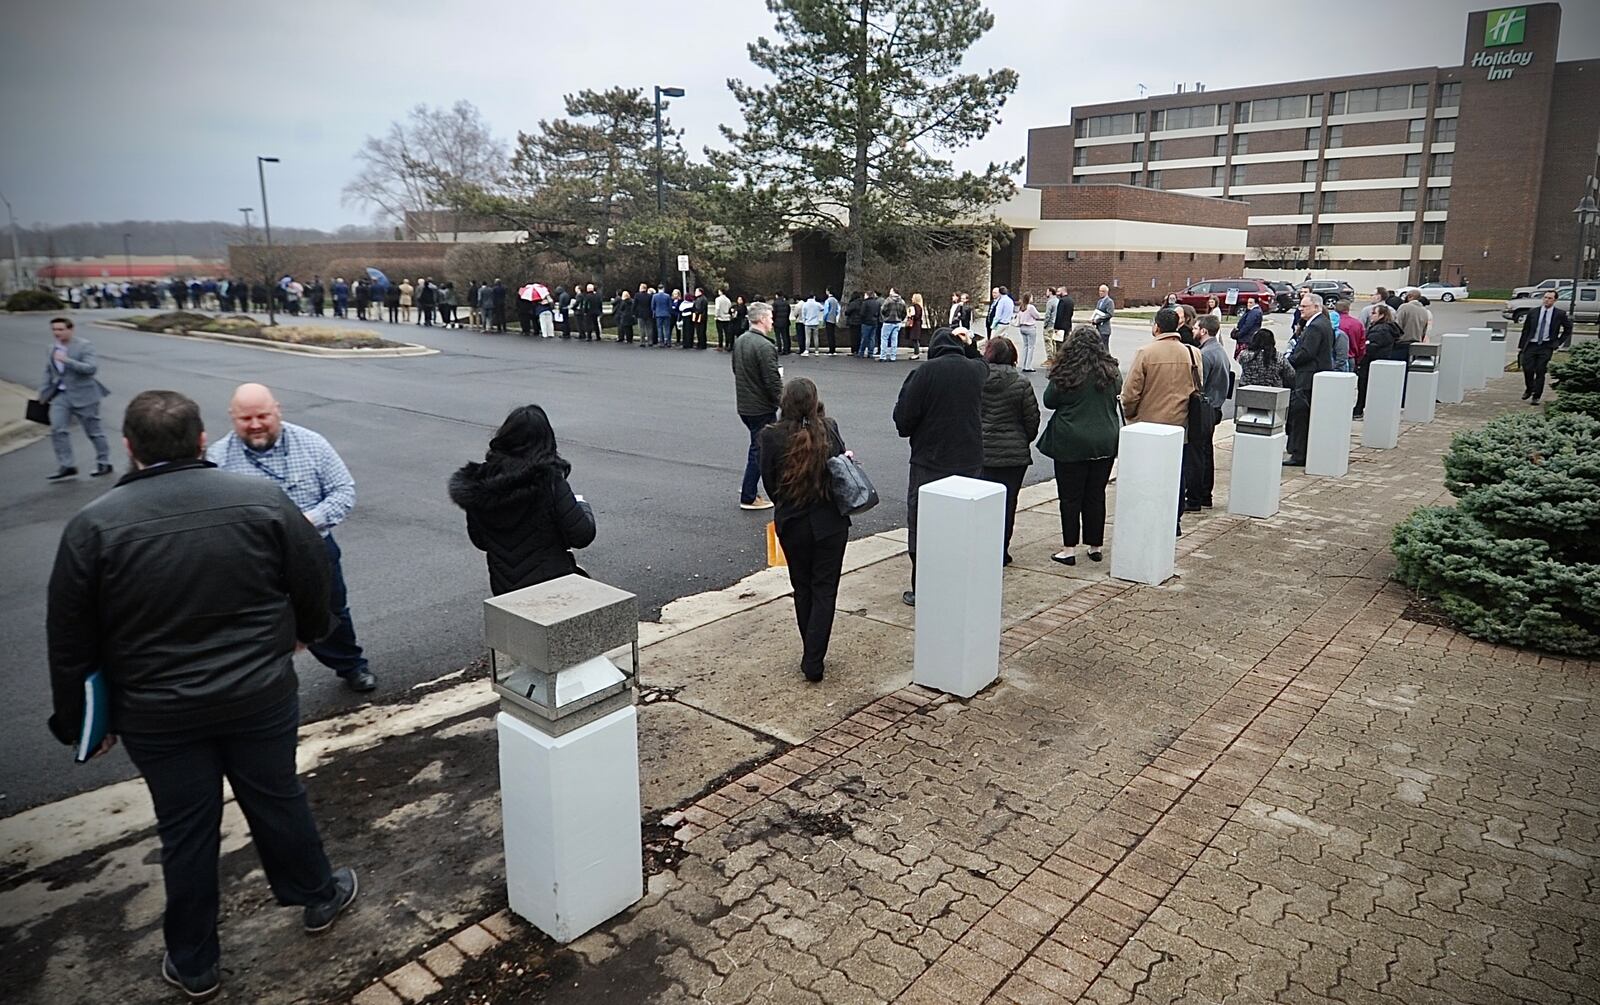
(1199, 295)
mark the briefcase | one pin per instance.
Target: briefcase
(38, 411)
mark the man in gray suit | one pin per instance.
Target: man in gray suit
(71, 389)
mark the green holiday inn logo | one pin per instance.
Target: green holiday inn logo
(1505, 27)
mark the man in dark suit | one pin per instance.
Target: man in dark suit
(1543, 331)
(72, 390)
(1313, 353)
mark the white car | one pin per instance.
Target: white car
(1444, 291)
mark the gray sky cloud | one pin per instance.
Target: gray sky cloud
(157, 110)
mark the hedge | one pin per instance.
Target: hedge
(1576, 379)
(34, 300)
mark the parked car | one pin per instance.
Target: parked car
(1587, 310)
(1330, 290)
(1284, 296)
(1198, 295)
(1537, 291)
(1448, 292)
(1403, 291)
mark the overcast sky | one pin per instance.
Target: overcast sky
(156, 110)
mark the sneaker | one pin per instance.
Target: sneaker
(197, 988)
(756, 503)
(803, 355)
(102, 469)
(320, 917)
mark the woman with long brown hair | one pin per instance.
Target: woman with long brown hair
(794, 466)
(1082, 438)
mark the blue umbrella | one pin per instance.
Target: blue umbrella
(377, 277)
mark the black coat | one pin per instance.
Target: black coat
(526, 520)
(1064, 310)
(1560, 328)
(227, 575)
(823, 514)
(941, 405)
(872, 311)
(1313, 353)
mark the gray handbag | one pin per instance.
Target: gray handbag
(853, 491)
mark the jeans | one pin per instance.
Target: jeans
(1011, 478)
(61, 414)
(663, 330)
(891, 341)
(547, 324)
(339, 652)
(808, 337)
(752, 463)
(1081, 488)
(869, 340)
(815, 565)
(184, 770)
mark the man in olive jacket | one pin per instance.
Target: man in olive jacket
(940, 410)
(757, 386)
(188, 589)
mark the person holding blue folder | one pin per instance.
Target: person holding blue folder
(175, 607)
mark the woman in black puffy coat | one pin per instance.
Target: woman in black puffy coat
(1010, 422)
(520, 510)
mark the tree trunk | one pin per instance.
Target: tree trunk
(855, 235)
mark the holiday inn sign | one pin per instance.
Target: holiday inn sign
(1505, 27)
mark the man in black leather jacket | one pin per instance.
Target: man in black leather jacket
(188, 590)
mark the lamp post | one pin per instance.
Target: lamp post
(1586, 214)
(661, 201)
(246, 210)
(266, 228)
(16, 260)
(127, 259)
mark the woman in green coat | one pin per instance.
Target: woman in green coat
(1082, 438)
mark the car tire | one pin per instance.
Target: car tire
(1517, 316)
(1448, 298)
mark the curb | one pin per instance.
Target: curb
(407, 349)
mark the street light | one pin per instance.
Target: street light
(246, 210)
(1586, 213)
(661, 202)
(127, 259)
(16, 260)
(266, 227)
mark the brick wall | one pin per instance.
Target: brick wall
(1186, 178)
(1374, 167)
(1574, 136)
(1370, 201)
(1188, 146)
(1274, 204)
(1111, 153)
(1372, 134)
(1133, 272)
(1049, 155)
(1275, 173)
(1125, 202)
(1276, 140)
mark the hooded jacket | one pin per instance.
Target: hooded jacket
(940, 408)
(524, 518)
(1010, 418)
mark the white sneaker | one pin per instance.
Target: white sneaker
(805, 354)
(758, 503)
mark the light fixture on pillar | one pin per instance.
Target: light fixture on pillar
(1586, 213)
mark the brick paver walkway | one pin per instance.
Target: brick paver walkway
(1261, 782)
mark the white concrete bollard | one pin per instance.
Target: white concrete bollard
(1333, 399)
(1455, 357)
(569, 752)
(1380, 426)
(960, 545)
(1482, 366)
(1144, 534)
(1256, 484)
(1422, 392)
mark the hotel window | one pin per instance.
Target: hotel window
(1450, 95)
(1316, 106)
(1155, 179)
(1302, 234)
(1308, 202)
(1313, 137)
(1331, 171)
(1222, 114)
(1272, 109)
(1193, 117)
(1112, 125)
(1330, 202)
(1438, 198)
(1308, 171)
(1238, 174)
(1158, 121)
(1080, 156)
(1218, 176)
(1155, 150)
(1241, 112)
(1137, 156)
(1419, 95)
(1241, 143)
(1439, 165)
(1363, 100)
(1415, 131)
(1337, 106)
(1335, 136)
(1413, 166)
(1221, 148)
(1444, 130)
(1396, 96)
(1433, 233)
(1408, 200)
(1133, 177)
(1402, 233)
(1324, 234)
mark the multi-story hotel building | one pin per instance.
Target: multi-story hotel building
(1469, 171)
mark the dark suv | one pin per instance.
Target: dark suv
(1199, 295)
(1331, 290)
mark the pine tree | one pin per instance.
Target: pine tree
(851, 135)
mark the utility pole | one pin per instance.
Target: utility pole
(127, 258)
(16, 259)
(661, 201)
(246, 210)
(266, 227)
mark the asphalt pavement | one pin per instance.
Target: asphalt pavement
(652, 436)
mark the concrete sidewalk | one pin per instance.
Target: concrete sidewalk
(15, 430)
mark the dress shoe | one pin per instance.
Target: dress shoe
(1526, 395)
(1070, 558)
(62, 474)
(1294, 462)
(320, 917)
(909, 598)
(103, 469)
(196, 988)
(361, 680)
(1095, 556)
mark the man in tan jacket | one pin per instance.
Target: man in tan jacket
(1158, 386)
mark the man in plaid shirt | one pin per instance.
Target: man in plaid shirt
(310, 472)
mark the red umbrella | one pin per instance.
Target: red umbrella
(534, 292)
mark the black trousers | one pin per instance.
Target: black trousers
(1081, 487)
(815, 565)
(184, 772)
(920, 476)
(1011, 478)
(394, 314)
(699, 333)
(1362, 373)
(725, 334)
(1535, 361)
(1203, 477)
(782, 333)
(500, 317)
(832, 331)
(1298, 422)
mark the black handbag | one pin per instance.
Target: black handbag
(1199, 426)
(853, 491)
(38, 411)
